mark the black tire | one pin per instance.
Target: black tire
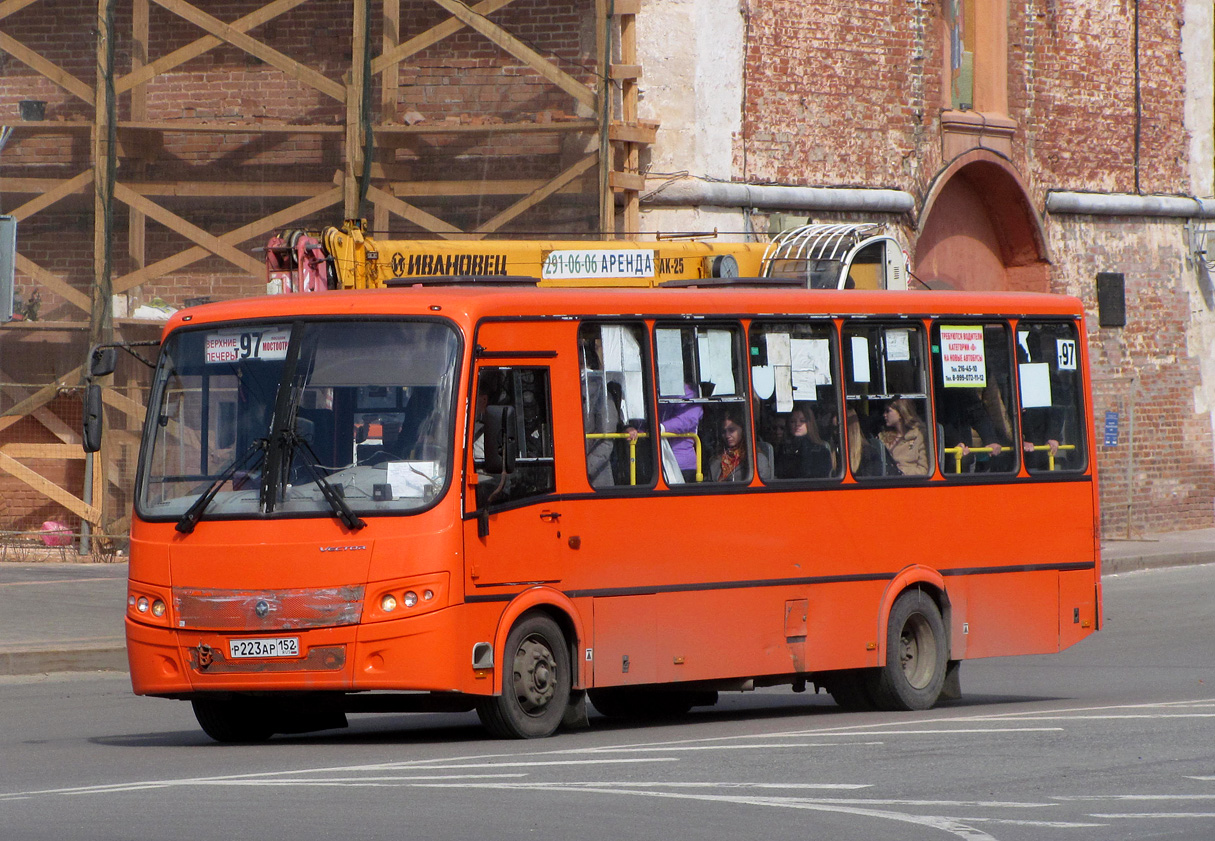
(535, 683)
(849, 689)
(917, 652)
(234, 720)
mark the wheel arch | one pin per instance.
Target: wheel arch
(914, 577)
(558, 607)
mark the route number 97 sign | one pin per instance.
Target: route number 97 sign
(963, 361)
(237, 346)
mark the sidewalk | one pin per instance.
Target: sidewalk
(69, 617)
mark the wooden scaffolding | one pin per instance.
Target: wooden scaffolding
(114, 146)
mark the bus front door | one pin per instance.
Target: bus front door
(514, 535)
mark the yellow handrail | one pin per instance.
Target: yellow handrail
(633, 448)
(957, 454)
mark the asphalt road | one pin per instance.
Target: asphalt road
(1110, 740)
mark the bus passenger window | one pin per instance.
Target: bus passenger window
(886, 399)
(527, 390)
(699, 381)
(972, 385)
(614, 381)
(1052, 388)
(796, 386)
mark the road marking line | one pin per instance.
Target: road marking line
(58, 581)
(1153, 815)
(1079, 798)
(677, 748)
(950, 825)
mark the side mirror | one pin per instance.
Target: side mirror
(103, 361)
(92, 419)
(501, 439)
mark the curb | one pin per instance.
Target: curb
(82, 657)
(1132, 563)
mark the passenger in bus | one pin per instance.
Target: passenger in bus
(966, 423)
(601, 414)
(680, 418)
(865, 453)
(904, 437)
(803, 454)
(734, 463)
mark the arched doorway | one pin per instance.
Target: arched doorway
(979, 231)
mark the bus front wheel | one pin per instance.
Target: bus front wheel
(917, 652)
(536, 683)
(234, 720)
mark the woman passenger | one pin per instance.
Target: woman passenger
(734, 464)
(904, 437)
(803, 454)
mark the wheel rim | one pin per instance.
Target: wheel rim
(918, 651)
(535, 675)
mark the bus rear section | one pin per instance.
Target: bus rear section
(510, 500)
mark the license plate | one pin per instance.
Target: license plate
(265, 647)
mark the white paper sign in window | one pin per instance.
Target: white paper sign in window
(717, 360)
(860, 359)
(898, 345)
(670, 362)
(250, 344)
(811, 366)
(963, 360)
(1035, 385)
(412, 478)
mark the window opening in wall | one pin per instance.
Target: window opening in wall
(960, 22)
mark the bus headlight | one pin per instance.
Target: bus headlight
(142, 604)
(389, 603)
(158, 608)
(411, 598)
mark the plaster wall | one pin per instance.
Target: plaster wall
(692, 52)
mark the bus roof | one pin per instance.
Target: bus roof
(472, 303)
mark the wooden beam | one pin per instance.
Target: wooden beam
(390, 83)
(626, 181)
(259, 228)
(187, 229)
(625, 71)
(56, 426)
(9, 7)
(180, 56)
(556, 126)
(431, 37)
(62, 189)
(626, 7)
(53, 282)
(504, 40)
(537, 196)
(49, 489)
(469, 188)
(640, 133)
(354, 111)
(49, 451)
(253, 47)
(415, 215)
(131, 408)
(49, 69)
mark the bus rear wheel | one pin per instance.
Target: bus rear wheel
(234, 720)
(917, 652)
(536, 684)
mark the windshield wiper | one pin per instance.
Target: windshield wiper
(336, 501)
(194, 513)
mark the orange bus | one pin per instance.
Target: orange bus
(514, 499)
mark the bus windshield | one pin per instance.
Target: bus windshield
(264, 419)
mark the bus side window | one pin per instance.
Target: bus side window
(700, 385)
(796, 387)
(886, 399)
(1052, 411)
(527, 390)
(972, 387)
(614, 379)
